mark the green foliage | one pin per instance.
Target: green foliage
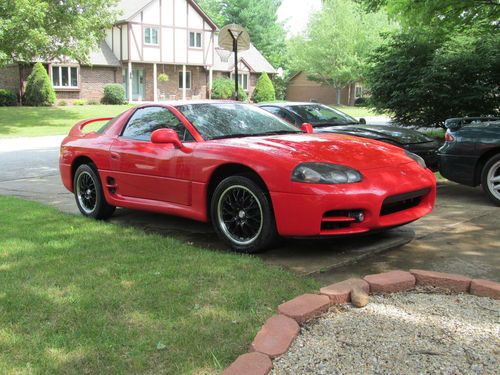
(93, 102)
(113, 94)
(264, 89)
(39, 90)
(259, 18)
(79, 102)
(46, 29)
(223, 88)
(423, 79)
(444, 15)
(280, 87)
(62, 103)
(338, 43)
(7, 98)
(163, 77)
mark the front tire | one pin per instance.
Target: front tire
(490, 179)
(242, 216)
(89, 195)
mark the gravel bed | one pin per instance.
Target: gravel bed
(403, 333)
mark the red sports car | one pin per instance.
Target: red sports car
(251, 174)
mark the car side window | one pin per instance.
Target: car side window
(146, 120)
(281, 113)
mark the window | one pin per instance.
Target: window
(65, 76)
(358, 91)
(151, 36)
(194, 39)
(188, 80)
(281, 113)
(242, 80)
(144, 121)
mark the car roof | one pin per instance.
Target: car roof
(285, 103)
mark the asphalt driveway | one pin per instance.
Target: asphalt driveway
(461, 235)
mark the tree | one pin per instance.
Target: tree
(264, 89)
(424, 79)
(47, 29)
(39, 91)
(259, 18)
(439, 14)
(338, 41)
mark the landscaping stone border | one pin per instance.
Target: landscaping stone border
(278, 333)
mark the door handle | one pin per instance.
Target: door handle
(115, 156)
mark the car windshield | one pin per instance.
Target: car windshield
(231, 120)
(321, 115)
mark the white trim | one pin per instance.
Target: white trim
(242, 81)
(60, 85)
(184, 78)
(196, 33)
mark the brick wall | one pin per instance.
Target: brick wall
(9, 78)
(166, 90)
(93, 80)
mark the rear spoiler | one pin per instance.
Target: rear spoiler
(457, 123)
(77, 129)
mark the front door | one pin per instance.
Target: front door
(137, 83)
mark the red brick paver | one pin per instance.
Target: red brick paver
(453, 282)
(389, 282)
(341, 292)
(485, 288)
(276, 336)
(250, 364)
(305, 307)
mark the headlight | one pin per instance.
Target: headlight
(325, 173)
(417, 158)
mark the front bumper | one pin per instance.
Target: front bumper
(386, 197)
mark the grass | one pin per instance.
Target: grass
(41, 121)
(356, 111)
(84, 297)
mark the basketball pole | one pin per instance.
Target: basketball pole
(235, 51)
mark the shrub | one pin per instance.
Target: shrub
(264, 89)
(223, 88)
(39, 90)
(62, 103)
(280, 87)
(79, 102)
(360, 102)
(113, 94)
(7, 98)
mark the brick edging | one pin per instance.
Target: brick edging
(279, 332)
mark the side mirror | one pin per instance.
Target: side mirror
(307, 128)
(163, 136)
(362, 121)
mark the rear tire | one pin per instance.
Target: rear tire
(490, 179)
(242, 216)
(89, 195)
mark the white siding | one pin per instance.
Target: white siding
(180, 13)
(181, 38)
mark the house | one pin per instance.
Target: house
(151, 37)
(302, 89)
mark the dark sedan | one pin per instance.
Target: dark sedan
(471, 153)
(329, 120)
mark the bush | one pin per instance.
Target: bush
(280, 87)
(223, 88)
(62, 103)
(79, 102)
(93, 102)
(7, 98)
(39, 90)
(360, 102)
(113, 94)
(424, 79)
(264, 89)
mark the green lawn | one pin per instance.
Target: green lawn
(85, 297)
(40, 121)
(356, 111)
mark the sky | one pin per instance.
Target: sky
(295, 14)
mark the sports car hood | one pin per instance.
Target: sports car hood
(347, 150)
(396, 134)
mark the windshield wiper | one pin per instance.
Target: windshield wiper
(276, 132)
(241, 135)
(235, 135)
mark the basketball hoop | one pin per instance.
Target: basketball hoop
(223, 54)
(234, 38)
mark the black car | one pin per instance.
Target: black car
(329, 120)
(471, 153)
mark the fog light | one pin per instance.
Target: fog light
(359, 216)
